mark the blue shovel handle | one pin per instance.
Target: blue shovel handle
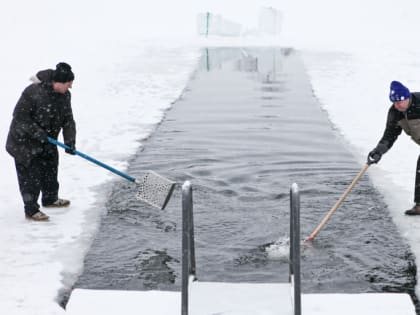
(91, 159)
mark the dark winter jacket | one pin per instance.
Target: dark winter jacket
(40, 112)
(409, 121)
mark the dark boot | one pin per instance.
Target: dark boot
(60, 203)
(414, 211)
(38, 216)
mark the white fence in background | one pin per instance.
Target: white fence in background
(211, 24)
(270, 21)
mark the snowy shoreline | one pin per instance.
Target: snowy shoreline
(112, 144)
(113, 115)
(114, 136)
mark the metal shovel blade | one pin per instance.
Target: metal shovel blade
(154, 189)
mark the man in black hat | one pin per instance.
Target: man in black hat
(43, 110)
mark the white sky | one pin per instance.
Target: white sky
(321, 20)
(113, 47)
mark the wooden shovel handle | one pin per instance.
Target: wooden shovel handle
(337, 204)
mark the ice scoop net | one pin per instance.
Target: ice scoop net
(153, 188)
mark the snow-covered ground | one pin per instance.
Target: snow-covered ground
(116, 102)
(132, 60)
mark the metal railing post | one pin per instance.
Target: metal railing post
(291, 238)
(191, 242)
(186, 243)
(207, 23)
(295, 246)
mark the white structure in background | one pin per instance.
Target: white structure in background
(211, 24)
(270, 21)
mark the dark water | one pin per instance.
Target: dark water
(246, 128)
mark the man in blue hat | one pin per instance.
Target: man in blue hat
(404, 114)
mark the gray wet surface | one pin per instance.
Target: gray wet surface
(246, 128)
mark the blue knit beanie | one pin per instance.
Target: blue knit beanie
(398, 92)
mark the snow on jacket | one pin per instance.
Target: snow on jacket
(40, 112)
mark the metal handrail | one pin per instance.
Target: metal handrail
(294, 265)
(188, 248)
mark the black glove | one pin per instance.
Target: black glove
(71, 149)
(374, 156)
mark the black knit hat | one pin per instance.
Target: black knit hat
(63, 73)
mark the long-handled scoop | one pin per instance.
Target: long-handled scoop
(153, 188)
(337, 204)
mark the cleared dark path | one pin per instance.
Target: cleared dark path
(246, 128)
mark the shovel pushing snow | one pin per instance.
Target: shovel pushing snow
(153, 189)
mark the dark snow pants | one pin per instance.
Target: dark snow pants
(39, 176)
(417, 185)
